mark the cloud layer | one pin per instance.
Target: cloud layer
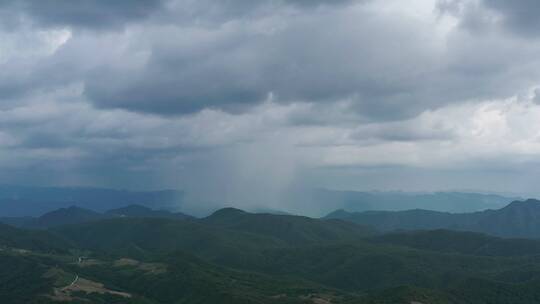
(238, 100)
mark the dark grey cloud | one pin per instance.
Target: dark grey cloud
(224, 74)
(520, 16)
(270, 86)
(92, 14)
(321, 56)
(104, 15)
(221, 11)
(167, 87)
(517, 17)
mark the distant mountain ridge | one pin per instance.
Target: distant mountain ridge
(319, 202)
(76, 215)
(519, 219)
(19, 201)
(65, 216)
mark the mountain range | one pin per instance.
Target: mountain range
(20, 201)
(137, 255)
(519, 219)
(319, 202)
(77, 215)
(233, 256)
(24, 201)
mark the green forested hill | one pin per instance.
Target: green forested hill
(143, 237)
(21, 279)
(228, 232)
(288, 228)
(32, 240)
(238, 257)
(460, 242)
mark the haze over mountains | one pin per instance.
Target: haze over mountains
(519, 219)
(35, 201)
(77, 215)
(319, 202)
(21, 201)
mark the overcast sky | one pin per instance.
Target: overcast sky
(240, 99)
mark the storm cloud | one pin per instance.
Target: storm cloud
(92, 14)
(236, 101)
(517, 17)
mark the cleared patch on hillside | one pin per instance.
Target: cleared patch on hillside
(316, 298)
(85, 286)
